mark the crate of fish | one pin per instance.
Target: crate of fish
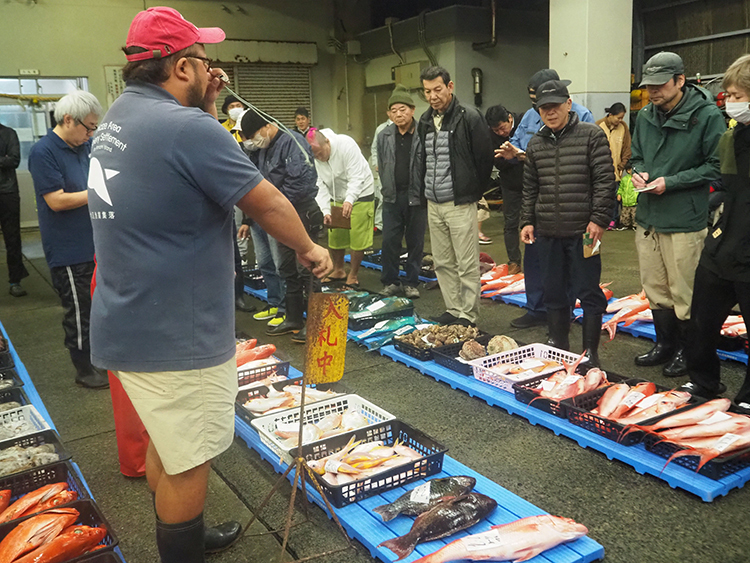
(344, 413)
(57, 521)
(456, 358)
(9, 378)
(262, 369)
(259, 400)
(548, 392)
(6, 359)
(101, 557)
(12, 398)
(388, 455)
(505, 369)
(31, 451)
(358, 321)
(20, 422)
(611, 411)
(39, 489)
(421, 343)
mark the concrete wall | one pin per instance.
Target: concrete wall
(81, 37)
(590, 44)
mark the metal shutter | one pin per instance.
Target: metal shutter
(277, 89)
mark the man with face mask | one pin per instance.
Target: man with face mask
(289, 166)
(164, 177)
(674, 160)
(233, 109)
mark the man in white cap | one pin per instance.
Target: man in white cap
(166, 177)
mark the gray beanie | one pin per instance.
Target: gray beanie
(400, 96)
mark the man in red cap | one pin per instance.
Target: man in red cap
(166, 177)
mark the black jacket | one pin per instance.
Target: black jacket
(727, 248)
(568, 180)
(470, 148)
(510, 172)
(10, 158)
(387, 167)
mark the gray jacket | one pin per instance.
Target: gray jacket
(386, 143)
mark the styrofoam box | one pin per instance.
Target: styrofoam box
(266, 425)
(482, 372)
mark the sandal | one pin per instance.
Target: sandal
(333, 280)
(484, 239)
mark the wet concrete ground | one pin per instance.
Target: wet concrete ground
(636, 518)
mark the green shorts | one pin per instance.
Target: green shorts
(359, 237)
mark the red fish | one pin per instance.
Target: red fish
(621, 316)
(258, 353)
(730, 442)
(63, 497)
(35, 531)
(30, 500)
(5, 498)
(72, 543)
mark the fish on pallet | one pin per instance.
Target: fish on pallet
(425, 496)
(72, 542)
(516, 541)
(443, 520)
(36, 531)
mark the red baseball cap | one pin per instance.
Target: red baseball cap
(163, 31)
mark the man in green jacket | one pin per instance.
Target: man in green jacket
(673, 162)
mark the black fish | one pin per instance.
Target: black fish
(419, 500)
(442, 520)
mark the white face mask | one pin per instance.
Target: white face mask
(739, 111)
(260, 141)
(249, 145)
(235, 113)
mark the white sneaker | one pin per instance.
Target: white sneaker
(411, 292)
(391, 290)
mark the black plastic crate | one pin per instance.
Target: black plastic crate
(28, 481)
(13, 394)
(421, 354)
(37, 439)
(6, 359)
(259, 390)
(447, 356)
(9, 378)
(90, 515)
(101, 556)
(253, 278)
(369, 322)
(579, 413)
(526, 393)
(341, 495)
(246, 376)
(717, 468)
(375, 257)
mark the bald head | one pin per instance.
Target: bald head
(320, 145)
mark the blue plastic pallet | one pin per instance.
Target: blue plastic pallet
(365, 526)
(261, 294)
(378, 267)
(636, 456)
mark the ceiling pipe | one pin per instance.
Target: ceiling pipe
(493, 41)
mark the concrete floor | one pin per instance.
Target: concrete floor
(636, 518)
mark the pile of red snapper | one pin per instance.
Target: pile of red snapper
(631, 405)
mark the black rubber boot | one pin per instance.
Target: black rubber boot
(677, 366)
(592, 331)
(665, 325)
(86, 374)
(295, 320)
(301, 336)
(558, 323)
(182, 542)
(221, 537)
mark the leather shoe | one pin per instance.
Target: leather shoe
(17, 291)
(286, 327)
(94, 379)
(677, 366)
(240, 305)
(528, 320)
(445, 319)
(703, 392)
(219, 538)
(301, 336)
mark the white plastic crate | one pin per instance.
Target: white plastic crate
(266, 425)
(482, 372)
(12, 420)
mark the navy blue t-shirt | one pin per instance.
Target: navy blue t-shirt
(164, 180)
(67, 238)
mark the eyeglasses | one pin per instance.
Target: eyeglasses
(89, 130)
(206, 61)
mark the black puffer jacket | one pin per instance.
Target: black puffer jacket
(568, 180)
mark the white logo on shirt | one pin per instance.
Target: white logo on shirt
(97, 182)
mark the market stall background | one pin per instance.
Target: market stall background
(635, 517)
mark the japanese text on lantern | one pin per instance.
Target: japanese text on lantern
(327, 321)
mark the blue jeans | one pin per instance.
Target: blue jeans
(267, 257)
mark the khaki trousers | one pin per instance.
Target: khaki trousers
(454, 238)
(668, 262)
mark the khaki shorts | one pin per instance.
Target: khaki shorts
(189, 415)
(359, 237)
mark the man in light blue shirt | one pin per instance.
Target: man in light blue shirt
(536, 313)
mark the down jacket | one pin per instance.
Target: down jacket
(568, 180)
